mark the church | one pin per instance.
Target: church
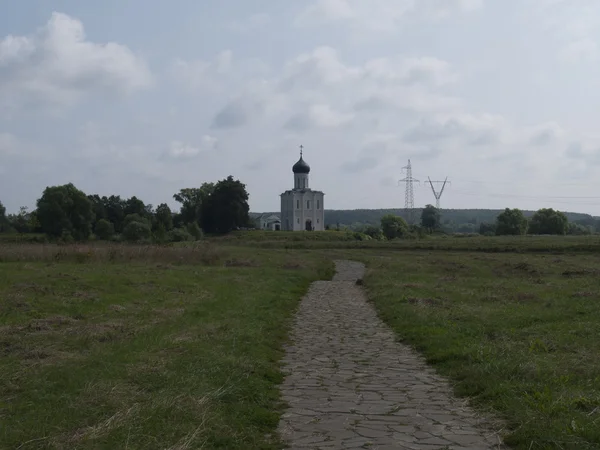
(302, 209)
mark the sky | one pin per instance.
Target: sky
(147, 97)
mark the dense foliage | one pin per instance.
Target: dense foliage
(65, 213)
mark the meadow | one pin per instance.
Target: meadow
(178, 347)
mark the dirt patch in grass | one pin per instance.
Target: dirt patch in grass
(289, 265)
(584, 294)
(580, 273)
(431, 302)
(241, 263)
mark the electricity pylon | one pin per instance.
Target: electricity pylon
(438, 195)
(409, 196)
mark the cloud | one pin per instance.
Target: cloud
(250, 23)
(581, 50)
(319, 116)
(578, 152)
(571, 25)
(182, 150)
(238, 112)
(200, 74)
(293, 96)
(546, 134)
(476, 130)
(380, 15)
(8, 145)
(361, 164)
(58, 65)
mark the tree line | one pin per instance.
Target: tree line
(65, 213)
(545, 221)
(452, 220)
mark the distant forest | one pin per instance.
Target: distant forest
(453, 220)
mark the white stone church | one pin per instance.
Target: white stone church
(302, 209)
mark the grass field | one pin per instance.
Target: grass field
(114, 346)
(519, 334)
(327, 240)
(155, 348)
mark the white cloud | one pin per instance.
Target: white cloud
(318, 115)
(182, 150)
(58, 65)
(381, 15)
(572, 25)
(585, 49)
(298, 90)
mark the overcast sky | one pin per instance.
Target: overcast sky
(146, 97)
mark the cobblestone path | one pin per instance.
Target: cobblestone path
(350, 385)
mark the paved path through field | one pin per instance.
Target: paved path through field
(350, 385)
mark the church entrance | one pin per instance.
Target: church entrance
(309, 226)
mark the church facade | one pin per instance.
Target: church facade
(302, 209)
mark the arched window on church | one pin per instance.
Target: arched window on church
(318, 204)
(297, 204)
(307, 204)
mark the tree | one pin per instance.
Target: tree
(180, 235)
(135, 217)
(136, 231)
(98, 205)
(135, 206)
(115, 211)
(163, 216)
(194, 230)
(4, 224)
(577, 229)
(226, 208)
(65, 209)
(549, 221)
(430, 218)
(192, 201)
(374, 231)
(487, 229)
(104, 230)
(393, 226)
(511, 222)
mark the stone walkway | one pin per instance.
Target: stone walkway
(350, 385)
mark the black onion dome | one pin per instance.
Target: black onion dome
(301, 167)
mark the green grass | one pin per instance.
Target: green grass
(499, 244)
(111, 346)
(155, 348)
(518, 334)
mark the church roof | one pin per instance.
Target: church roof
(301, 166)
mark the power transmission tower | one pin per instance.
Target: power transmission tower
(409, 197)
(438, 195)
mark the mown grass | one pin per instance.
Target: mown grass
(145, 348)
(518, 334)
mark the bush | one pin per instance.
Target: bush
(194, 230)
(104, 230)
(180, 235)
(137, 231)
(394, 226)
